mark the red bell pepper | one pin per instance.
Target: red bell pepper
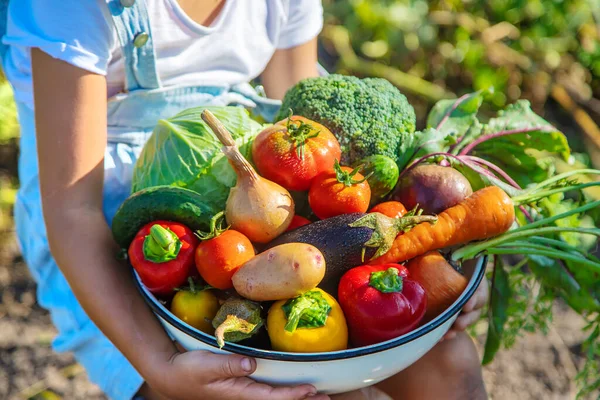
(380, 302)
(162, 253)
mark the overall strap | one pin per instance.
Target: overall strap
(133, 29)
(3, 26)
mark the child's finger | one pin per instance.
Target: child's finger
(479, 298)
(179, 347)
(246, 389)
(466, 320)
(219, 366)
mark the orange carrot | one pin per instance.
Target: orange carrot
(486, 213)
(442, 283)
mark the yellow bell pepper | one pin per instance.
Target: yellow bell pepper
(312, 322)
(196, 307)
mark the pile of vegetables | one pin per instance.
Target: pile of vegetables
(339, 225)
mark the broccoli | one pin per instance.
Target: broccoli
(368, 116)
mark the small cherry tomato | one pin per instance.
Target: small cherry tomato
(343, 190)
(221, 253)
(196, 307)
(297, 222)
(392, 209)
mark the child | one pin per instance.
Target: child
(91, 79)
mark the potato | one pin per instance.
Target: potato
(282, 272)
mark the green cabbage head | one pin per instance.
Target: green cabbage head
(183, 151)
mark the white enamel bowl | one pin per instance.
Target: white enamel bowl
(335, 372)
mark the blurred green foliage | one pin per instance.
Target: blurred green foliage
(524, 49)
(9, 126)
(519, 47)
(9, 132)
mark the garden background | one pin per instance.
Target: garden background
(546, 51)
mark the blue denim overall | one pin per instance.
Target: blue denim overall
(131, 119)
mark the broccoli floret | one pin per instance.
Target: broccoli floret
(368, 116)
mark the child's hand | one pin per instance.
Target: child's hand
(204, 375)
(471, 311)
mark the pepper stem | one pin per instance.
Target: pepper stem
(232, 324)
(310, 310)
(161, 245)
(388, 281)
(296, 312)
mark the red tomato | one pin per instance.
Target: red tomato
(392, 209)
(341, 191)
(292, 152)
(297, 222)
(217, 259)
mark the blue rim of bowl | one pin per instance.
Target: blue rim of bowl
(479, 273)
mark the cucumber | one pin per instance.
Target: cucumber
(385, 175)
(169, 203)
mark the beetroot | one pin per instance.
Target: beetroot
(432, 187)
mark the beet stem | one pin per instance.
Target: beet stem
(485, 138)
(457, 103)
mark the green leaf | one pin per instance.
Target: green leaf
(497, 315)
(589, 376)
(520, 154)
(456, 117)
(423, 143)
(554, 275)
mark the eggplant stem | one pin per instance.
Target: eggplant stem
(232, 324)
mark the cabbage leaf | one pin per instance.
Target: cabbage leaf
(183, 151)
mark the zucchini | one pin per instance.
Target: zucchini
(168, 203)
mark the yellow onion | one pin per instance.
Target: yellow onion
(256, 207)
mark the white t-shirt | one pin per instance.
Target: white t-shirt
(234, 49)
